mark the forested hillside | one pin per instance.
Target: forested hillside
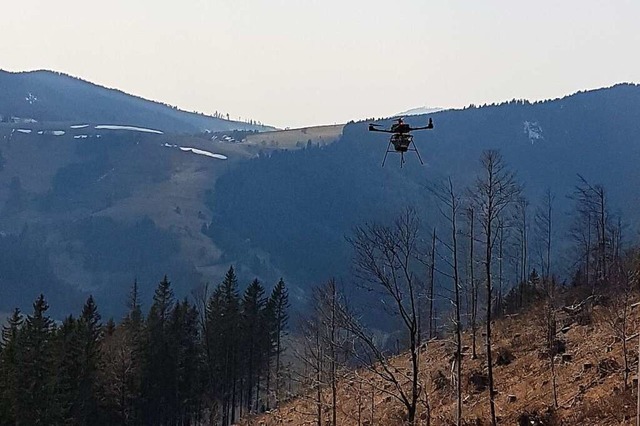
(299, 206)
(87, 210)
(100, 207)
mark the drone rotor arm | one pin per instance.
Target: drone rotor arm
(374, 129)
(429, 126)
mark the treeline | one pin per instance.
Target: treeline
(182, 363)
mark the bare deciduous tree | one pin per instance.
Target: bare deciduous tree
(548, 324)
(495, 190)
(118, 362)
(543, 222)
(592, 222)
(311, 355)
(451, 204)
(544, 228)
(623, 277)
(324, 353)
(385, 259)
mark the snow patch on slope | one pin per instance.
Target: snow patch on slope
(533, 131)
(52, 132)
(202, 152)
(196, 151)
(131, 128)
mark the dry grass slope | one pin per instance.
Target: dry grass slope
(589, 378)
(296, 138)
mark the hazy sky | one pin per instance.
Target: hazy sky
(304, 62)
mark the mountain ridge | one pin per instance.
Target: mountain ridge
(68, 98)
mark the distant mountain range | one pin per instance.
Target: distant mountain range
(47, 96)
(104, 188)
(419, 111)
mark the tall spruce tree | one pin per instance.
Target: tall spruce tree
(134, 317)
(222, 345)
(231, 326)
(277, 307)
(213, 351)
(253, 304)
(188, 362)
(35, 378)
(159, 375)
(9, 367)
(89, 335)
(67, 354)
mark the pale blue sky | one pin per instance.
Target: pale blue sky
(304, 62)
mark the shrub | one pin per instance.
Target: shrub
(504, 356)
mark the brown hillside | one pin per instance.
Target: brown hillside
(589, 378)
(296, 138)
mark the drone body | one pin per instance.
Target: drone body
(401, 138)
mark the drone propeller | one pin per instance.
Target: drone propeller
(427, 127)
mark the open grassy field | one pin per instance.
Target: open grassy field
(297, 138)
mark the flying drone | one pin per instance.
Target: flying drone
(401, 138)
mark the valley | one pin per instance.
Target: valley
(90, 207)
(280, 203)
(320, 213)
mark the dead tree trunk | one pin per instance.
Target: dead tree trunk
(489, 296)
(552, 331)
(473, 285)
(432, 325)
(450, 206)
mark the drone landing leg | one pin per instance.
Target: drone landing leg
(418, 153)
(385, 154)
(401, 159)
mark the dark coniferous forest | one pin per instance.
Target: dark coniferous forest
(179, 362)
